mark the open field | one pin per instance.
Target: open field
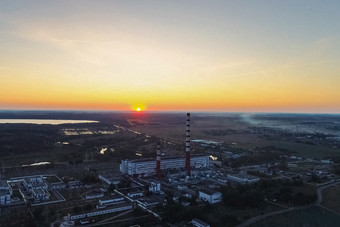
(314, 216)
(331, 198)
(243, 214)
(234, 132)
(29, 143)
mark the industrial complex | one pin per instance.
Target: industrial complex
(148, 167)
(148, 187)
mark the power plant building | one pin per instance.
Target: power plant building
(148, 166)
(151, 166)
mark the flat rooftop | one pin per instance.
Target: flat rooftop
(167, 158)
(208, 191)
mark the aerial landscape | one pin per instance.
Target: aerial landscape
(169, 113)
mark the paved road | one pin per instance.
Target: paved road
(316, 203)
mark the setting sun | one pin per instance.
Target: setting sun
(138, 109)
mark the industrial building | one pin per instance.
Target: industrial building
(109, 178)
(148, 166)
(40, 195)
(35, 186)
(210, 196)
(199, 223)
(106, 210)
(243, 179)
(94, 194)
(155, 187)
(34, 182)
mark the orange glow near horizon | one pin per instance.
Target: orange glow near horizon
(115, 55)
(138, 108)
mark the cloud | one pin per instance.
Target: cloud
(229, 64)
(5, 67)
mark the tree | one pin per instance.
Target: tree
(125, 182)
(283, 164)
(111, 188)
(336, 169)
(76, 209)
(88, 207)
(315, 177)
(193, 200)
(90, 179)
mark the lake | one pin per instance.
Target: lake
(44, 121)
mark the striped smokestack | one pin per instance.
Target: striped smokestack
(158, 160)
(187, 146)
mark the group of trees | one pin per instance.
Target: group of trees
(294, 198)
(242, 196)
(26, 138)
(125, 182)
(90, 179)
(84, 208)
(336, 169)
(290, 192)
(176, 213)
(256, 158)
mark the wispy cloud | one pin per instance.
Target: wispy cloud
(5, 67)
(228, 64)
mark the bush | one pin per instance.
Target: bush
(90, 179)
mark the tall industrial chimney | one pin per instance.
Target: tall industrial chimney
(158, 160)
(187, 146)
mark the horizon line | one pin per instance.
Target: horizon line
(165, 111)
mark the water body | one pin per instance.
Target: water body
(43, 121)
(38, 164)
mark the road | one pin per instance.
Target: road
(316, 203)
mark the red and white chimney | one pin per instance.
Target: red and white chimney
(187, 146)
(158, 160)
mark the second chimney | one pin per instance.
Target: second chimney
(158, 160)
(187, 146)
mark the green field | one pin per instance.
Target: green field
(331, 198)
(314, 216)
(176, 133)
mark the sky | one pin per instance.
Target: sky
(176, 55)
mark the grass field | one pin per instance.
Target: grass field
(314, 216)
(244, 214)
(331, 198)
(175, 132)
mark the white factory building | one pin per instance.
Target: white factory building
(148, 166)
(243, 179)
(210, 196)
(113, 209)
